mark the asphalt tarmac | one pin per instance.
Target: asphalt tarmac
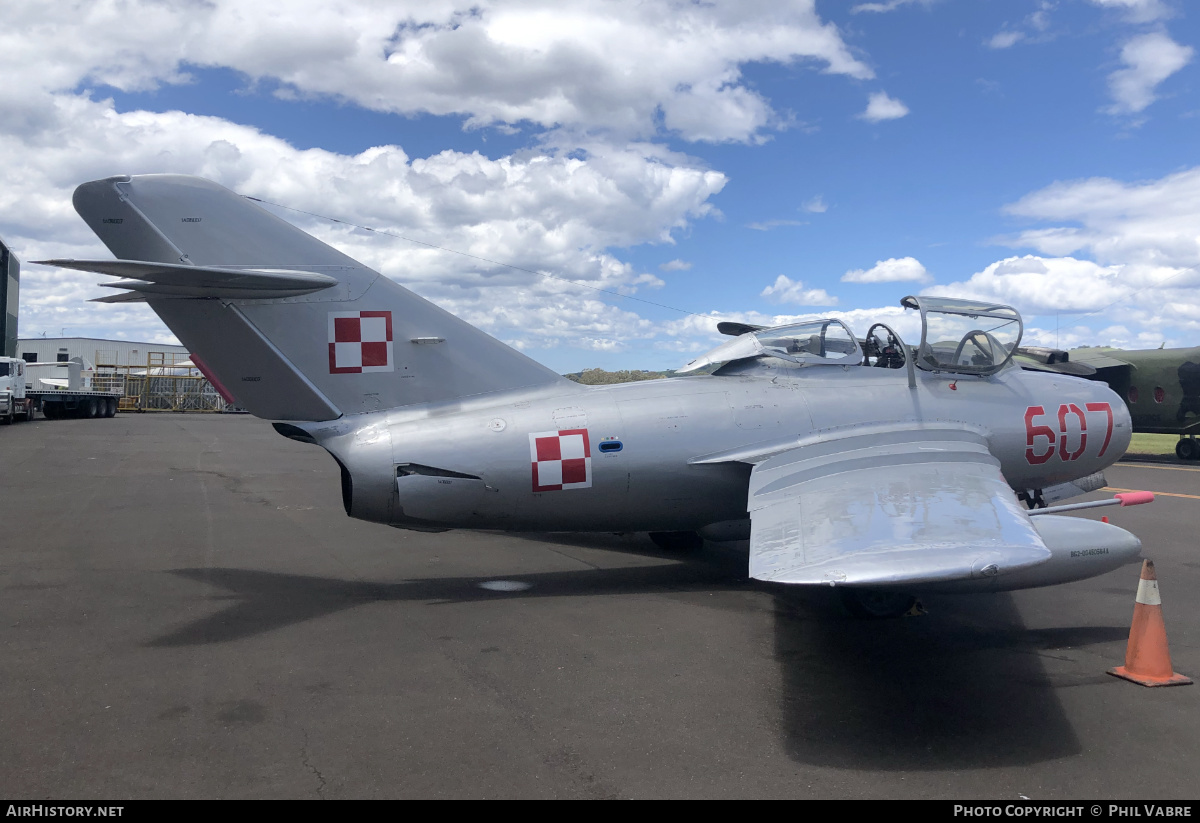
(186, 612)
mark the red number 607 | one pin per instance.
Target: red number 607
(1038, 452)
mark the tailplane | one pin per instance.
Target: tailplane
(288, 326)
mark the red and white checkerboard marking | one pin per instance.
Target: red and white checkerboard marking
(561, 460)
(360, 342)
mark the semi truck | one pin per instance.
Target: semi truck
(14, 405)
(56, 389)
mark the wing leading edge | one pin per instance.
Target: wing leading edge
(883, 508)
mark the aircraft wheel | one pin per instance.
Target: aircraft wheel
(677, 541)
(871, 604)
(1186, 449)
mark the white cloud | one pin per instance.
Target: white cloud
(1140, 290)
(887, 5)
(619, 67)
(1032, 29)
(1149, 223)
(675, 265)
(767, 225)
(786, 290)
(591, 85)
(1041, 285)
(1139, 11)
(892, 270)
(816, 205)
(1040, 19)
(1144, 239)
(698, 332)
(1149, 60)
(881, 107)
(1005, 39)
(555, 212)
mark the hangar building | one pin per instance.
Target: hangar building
(98, 351)
(149, 376)
(10, 280)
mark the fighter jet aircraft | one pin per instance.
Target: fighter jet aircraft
(881, 468)
(1161, 386)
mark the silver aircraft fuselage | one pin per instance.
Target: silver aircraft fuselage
(475, 468)
(841, 468)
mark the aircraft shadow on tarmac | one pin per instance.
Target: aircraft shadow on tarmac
(964, 688)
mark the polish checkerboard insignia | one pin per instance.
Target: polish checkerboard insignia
(360, 342)
(561, 460)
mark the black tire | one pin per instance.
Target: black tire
(50, 411)
(7, 419)
(91, 408)
(1185, 449)
(112, 407)
(677, 541)
(871, 604)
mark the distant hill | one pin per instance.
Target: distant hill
(600, 377)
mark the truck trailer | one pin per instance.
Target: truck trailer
(56, 389)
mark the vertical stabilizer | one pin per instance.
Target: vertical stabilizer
(354, 342)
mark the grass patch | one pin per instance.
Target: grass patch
(1153, 444)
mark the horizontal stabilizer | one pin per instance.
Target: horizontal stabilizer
(177, 280)
(123, 297)
(735, 329)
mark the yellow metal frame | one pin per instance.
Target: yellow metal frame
(166, 382)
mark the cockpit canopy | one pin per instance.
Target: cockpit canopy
(814, 342)
(965, 336)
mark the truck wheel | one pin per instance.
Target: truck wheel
(1186, 449)
(112, 407)
(7, 419)
(91, 408)
(50, 411)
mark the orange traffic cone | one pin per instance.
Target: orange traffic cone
(1147, 660)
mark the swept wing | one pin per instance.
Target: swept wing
(875, 507)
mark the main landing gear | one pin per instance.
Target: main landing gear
(677, 541)
(872, 604)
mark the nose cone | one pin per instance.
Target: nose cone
(1122, 431)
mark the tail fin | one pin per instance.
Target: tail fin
(292, 328)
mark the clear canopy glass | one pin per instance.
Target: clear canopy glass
(965, 336)
(815, 342)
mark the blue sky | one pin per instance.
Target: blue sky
(1039, 153)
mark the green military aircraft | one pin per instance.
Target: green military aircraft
(1160, 386)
